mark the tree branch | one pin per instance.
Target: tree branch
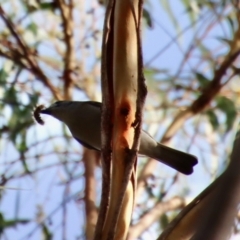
(153, 215)
(121, 35)
(27, 54)
(91, 213)
(69, 59)
(106, 119)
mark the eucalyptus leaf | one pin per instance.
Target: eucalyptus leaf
(213, 119)
(46, 232)
(228, 107)
(32, 27)
(147, 16)
(10, 223)
(164, 221)
(3, 77)
(202, 80)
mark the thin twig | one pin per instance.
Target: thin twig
(153, 215)
(27, 54)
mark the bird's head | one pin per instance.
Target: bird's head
(60, 110)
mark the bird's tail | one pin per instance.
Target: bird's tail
(180, 161)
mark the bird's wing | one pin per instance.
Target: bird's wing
(86, 145)
(95, 104)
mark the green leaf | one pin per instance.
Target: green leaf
(22, 146)
(33, 6)
(231, 23)
(20, 121)
(224, 40)
(213, 119)
(48, 5)
(206, 52)
(13, 223)
(149, 73)
(228, 107)
(33, 99)
(10, 223)
(3, 77)
(192, 13)
(164, 221)
(32, 27)
(46, 233)
(150, 192)
(202, 80)
(10, 96)
(147, 16)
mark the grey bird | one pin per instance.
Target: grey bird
(84, 122)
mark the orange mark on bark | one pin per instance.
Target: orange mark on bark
(124, 131)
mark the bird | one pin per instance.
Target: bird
(83, 118)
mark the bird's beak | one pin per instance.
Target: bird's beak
(46, 111)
